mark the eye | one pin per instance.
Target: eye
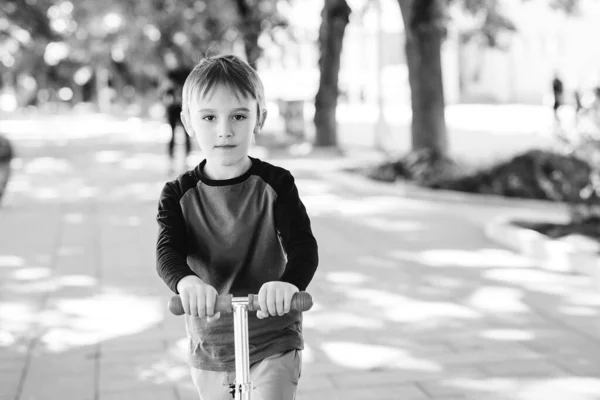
(209, 118)
(239, 117)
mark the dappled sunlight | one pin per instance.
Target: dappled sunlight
(482, 387)
(329, 203)
(129, 221)
(391, 225)
(145, 162)
(535, 280)
(164, 371)
(31, 273)
(178, 350)
(51, 188)
(374, 261)
(507, 335)
(578, 311)
(563, 388)
(312, 187)
(346, 277)
(7, 260)
(69, 251)
(591, 299)
(331, 321)
(16, 319)
(397, 308)
(137, 191)
(109, 156)
(368, 356)
(131, 162)
(7, 339)
(498, 299)
(74, 218)
(482, 258)
(35, 285)
(47, 165)
(86, 321)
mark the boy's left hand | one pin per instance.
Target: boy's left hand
(275, 298)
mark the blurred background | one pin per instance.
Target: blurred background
(447, 152)
(121, 58)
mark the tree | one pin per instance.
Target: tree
(255, 18)
(335, 17)
(425, 23)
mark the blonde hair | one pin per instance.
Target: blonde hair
(226, 70)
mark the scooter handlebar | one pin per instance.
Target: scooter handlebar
(301, 301)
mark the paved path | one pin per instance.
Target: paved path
(412, 301)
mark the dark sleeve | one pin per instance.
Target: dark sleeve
(171, 256)
(298, 241)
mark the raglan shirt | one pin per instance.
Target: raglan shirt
(236, 234)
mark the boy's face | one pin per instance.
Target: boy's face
(223, 122)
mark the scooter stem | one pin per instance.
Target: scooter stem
(242, 351)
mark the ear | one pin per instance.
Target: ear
(260, 122)
(185, 120)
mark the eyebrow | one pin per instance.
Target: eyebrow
(235, 109)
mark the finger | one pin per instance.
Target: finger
(211, 299)
(271, 302)
(262, 300)
(214, 317)
(201, 306)
(287, 302)
(279, 299)
(185, 301)
(193, 304)
(261, 315)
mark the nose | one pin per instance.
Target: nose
(225, 128)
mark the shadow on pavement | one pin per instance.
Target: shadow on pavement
(412, 301)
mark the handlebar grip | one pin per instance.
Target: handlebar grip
(301, 301)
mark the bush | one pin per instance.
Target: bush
(535, 174)
(424, 167)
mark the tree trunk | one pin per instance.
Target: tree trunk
(251, 30)
(252, 49)
(424, 29)
(335, 17)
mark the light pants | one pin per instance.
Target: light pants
(274, 378)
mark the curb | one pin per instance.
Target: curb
(573, 254)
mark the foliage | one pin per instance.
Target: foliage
(6, 155)
(423, 167)
(6, 150)
(535, 174)
(571, 177)
(133, 40)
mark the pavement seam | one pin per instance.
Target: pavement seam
(422, 389)
(42, 304)
(97, 243)
(25, 370)
(558, 322)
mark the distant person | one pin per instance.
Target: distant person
(578, 105)
(558, 92)
(172, 100)
(595, 108)
(235, 224)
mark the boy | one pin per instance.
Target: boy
(235, 224)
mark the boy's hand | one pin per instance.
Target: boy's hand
(275, 298)
(198, 298)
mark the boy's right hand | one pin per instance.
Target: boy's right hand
(198, 298)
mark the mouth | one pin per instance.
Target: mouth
(225, 146)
